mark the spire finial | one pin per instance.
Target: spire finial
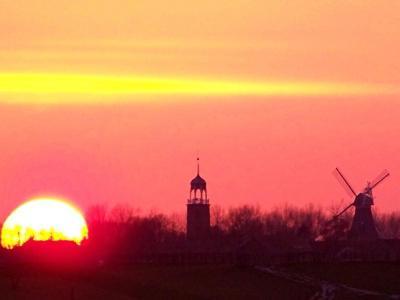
(198, 166)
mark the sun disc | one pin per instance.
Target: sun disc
(43, 219)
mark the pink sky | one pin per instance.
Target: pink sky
(252, 151)
(257, 144)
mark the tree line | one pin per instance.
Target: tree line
(123, 228)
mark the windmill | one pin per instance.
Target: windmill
(363, 225)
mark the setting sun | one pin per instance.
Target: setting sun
(43, 219)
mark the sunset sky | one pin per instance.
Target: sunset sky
(112, 101)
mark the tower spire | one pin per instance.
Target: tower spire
(198, 209)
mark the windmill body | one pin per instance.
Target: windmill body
(363, 225)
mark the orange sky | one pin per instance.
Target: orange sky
(110, 101)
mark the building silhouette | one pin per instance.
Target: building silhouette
(198, 209)
(363, 226)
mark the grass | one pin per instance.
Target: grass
(149, 282)
(381, 277)
(203, 282)
(186, 282)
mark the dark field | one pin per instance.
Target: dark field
(380, 277)
(149, 282)
(189, 282)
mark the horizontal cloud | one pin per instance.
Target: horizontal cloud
(107, 86)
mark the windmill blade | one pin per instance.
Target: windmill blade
(379, 179)
(344, 210)
(339, 214)
(343, 181)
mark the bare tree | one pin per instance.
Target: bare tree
(96, 213)
(388, 225)
(244, 221)
(122, 213)
(217, 216)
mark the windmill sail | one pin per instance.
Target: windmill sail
(363, 225)
(344, 182)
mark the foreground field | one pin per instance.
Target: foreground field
(379, 277)
(150, 282)
(190, 282)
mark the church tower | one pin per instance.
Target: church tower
(198, 209)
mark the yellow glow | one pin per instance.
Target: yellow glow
(22, 86)
(43, 219)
